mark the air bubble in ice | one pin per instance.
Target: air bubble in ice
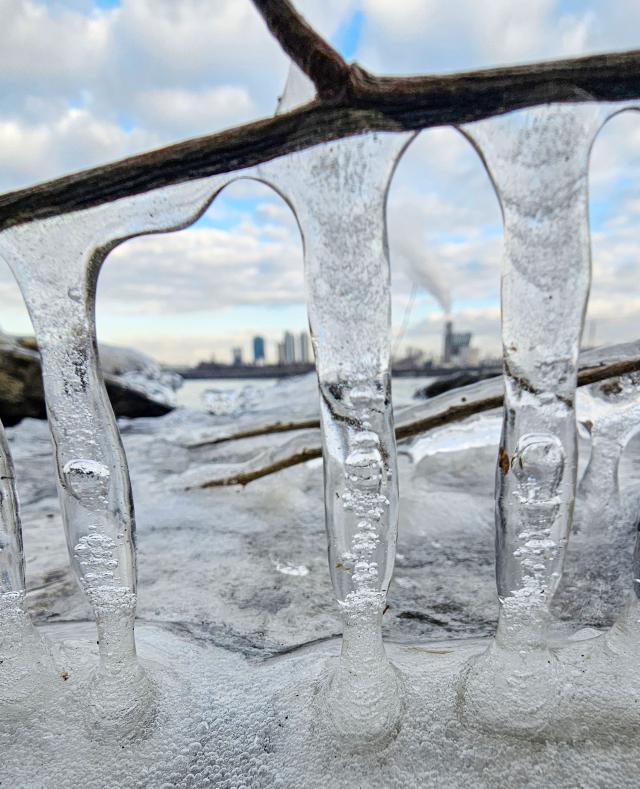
(538, 465)
(363, 467)
(88, 480)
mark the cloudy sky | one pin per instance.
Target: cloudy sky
(87, 82)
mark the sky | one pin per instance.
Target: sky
(83, 83)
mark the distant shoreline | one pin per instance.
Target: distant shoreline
(211, 371)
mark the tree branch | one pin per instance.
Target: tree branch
(319, 61)
(371, 104)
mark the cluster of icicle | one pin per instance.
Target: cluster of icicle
(538, 161)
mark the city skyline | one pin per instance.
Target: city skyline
(293, 347)
(457, 349)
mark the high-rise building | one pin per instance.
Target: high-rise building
(281, 353)
(456, 344)
(258, 350)
(237, 356)
(446, 347)
(289, 344)
(303, 348)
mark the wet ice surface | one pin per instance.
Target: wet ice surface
(226, 721)
(236, 541)
(237, 621)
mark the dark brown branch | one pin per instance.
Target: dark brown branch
(320, 62)
(245, 477)
(373, 104)
(256, 430)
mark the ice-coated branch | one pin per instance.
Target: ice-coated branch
(371, 104)
(303, 446)
(445, 409)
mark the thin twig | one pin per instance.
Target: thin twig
(244, 477)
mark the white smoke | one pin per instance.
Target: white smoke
(421, 270)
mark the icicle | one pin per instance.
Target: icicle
(338, 193)
(57, 262)
(616, 420)
(596, 573)
(538, 161)
(25, 664)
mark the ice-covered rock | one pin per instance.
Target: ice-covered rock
(140, 372)
(136, 385)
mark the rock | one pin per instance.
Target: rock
(138, 371)
(453, 381)
(22, 395)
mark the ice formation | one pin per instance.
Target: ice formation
(138, 371)
(538, 161)
(234, 402)
(56, 263)
(413, 721)
(338, 192)
(606, 515)
(25, 665)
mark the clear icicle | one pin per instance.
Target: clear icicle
(338, 193)
(56, 263)
(538, 161)
(298, 90)
(595, 579)
(24, 661)
(619, 405)
(11, 553)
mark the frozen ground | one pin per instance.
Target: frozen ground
(225, 720)
(246, 568)
(237, 621)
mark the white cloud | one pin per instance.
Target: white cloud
(189, 112)
(428, 35)
(203, 269)
(81, 85)
(46, 47)
(42, 150)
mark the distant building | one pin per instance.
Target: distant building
(289, 344)
(281, 353)
(303, 348)
(457, 345)
(237, 356)
(258, 350)
(412, 360)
